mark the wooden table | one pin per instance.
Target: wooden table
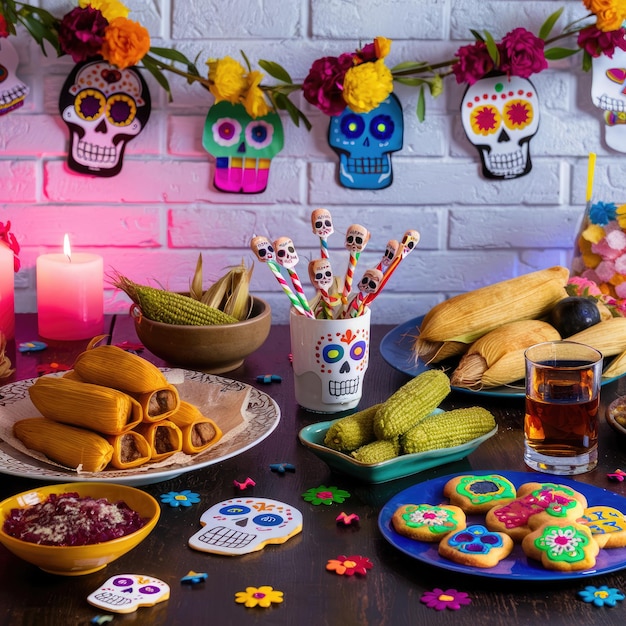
(390, 592)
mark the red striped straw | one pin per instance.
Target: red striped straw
(287, 257)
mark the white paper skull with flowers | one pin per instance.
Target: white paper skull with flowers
(12, 90)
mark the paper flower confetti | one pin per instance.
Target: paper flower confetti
(449, 599)
(193, 578)
(281, 468)
(258, 596)
(52, 368)
(347, 520)
(248, 482)
(180, 498)
(349, 565)
(618, 475)
(601, 596)
(325, 495)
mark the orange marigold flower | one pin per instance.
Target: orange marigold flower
(609, 13)
(254, 101)
(125, 43)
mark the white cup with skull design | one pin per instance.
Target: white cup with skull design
(330, 358)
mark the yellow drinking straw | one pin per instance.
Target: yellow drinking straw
(590, 172)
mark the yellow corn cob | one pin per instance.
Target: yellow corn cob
(497, 358)
(467, 316)
(377, 451)
(164, 438)
(113, 367)
(411, 403)
(67, 445)
(129, 450)
(353, 431)
(169, 307)
(447, 429)
(617, 367)
(608, 336)
(198, 432)
(98, 408)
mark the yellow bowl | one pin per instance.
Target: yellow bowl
(79, 560)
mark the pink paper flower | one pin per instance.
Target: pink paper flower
(473, 63)
(8, 238)
(521, 53)
(449, 599)
(597, 42)
(4, 31)
(323, 86)
(81, 33)
(349, 565)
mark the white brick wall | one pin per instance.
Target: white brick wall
(153, 219)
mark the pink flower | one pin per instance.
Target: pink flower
(81, 33)
(7, 237)
(521, 53)
(597, 42)
(473, 63)
(324, 84)
(4, 30)
(349, 565)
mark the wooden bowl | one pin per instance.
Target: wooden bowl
(212, 349)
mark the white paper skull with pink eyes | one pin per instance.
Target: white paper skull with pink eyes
(262, 247)
(370, 281)
(286, 254)
(12, 90)
(357, 237)
(322, 223)
(321, 274)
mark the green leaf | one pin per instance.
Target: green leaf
(492, 48)
(179, 57)
(548, 25)
(276, 71)
(154, 69)
(435, 85)
(477, 35)
(283, 103)
(411, 82)
(245, 58)
(554, 54)
(409, 65)
(587, 62)
(421, 105)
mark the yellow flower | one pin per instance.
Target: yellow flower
(609, 13)
(227, 78)
(263, 596)
(382, 46)
(365, 86)
(254, 101)
(110, 9)
(125, 42)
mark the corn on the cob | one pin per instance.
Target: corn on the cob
(164, 438)
(95, 407)
(466, 317)
(129, 450)
(170, 307)
(617, 367)
(377, 451)
(411, 403)
(198, 432)
(353, 431)
(447, 429)
(608, 336)
(113, 367)
(73, 447)
(497, 358)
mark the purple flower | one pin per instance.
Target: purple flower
(81, 33)
(473, 63)
(449, 599)
(324, 84)
(597, 42)
(521, 53)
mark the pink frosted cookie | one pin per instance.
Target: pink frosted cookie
(476, 546)
(607, 526)
(562, 545)
(425, 522)
(478, 494)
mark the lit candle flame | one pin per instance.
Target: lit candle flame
(67, 251)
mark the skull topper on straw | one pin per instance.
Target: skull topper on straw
(322, 225)
(321, 276)
(287, 257)
(357, 237)
(370, 283)
(390, 252)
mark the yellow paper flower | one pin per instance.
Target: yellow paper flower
(110, 9)
(366, 85)
(125, 42)
(254, 101)
(594, 233)
(261, 596)
(227, 78)
(609, 13)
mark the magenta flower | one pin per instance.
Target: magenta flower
(449, 599)
(349, 565)
(473, 63)
(323, 85)
(7, 237)
(521, 53)
(4, 30)
(597, 42)
(81, 33)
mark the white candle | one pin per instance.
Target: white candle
(7, 298)
(70, 295)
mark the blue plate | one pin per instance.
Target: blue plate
(516, 565)
(396, 348)
(404, 465)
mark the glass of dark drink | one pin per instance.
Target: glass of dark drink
(562, 402)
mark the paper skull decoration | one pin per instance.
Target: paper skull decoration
(364, 143)
(262, 247)
(322, 223)
(500, 116)
(12, 90)
(286, 253)
(608, 93)
(242, 525)
(104, 108)
(243, 147)
(125, 593)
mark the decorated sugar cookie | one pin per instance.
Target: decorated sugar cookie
(562, 545)
(425, 522)
(476, 546)
(477, 494)
(242, 525)
(125, 593)
(607, 525)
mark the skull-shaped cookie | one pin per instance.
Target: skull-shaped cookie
(125, 593)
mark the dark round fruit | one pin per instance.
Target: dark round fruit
(573, 314)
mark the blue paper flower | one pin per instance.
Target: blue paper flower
(601, 596)
(180, 498)
(602, 213)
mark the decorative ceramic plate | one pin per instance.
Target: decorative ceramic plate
(262, 417)
(396, 349)
(313, 437)
(616, 414)
(516, 565)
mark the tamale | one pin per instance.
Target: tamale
(199, 432)
(159, 403)
(77, 448)
(164, 438)
(95, 407)
(129, 450)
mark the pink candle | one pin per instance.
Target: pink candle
(70, 295)
(7, 298)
